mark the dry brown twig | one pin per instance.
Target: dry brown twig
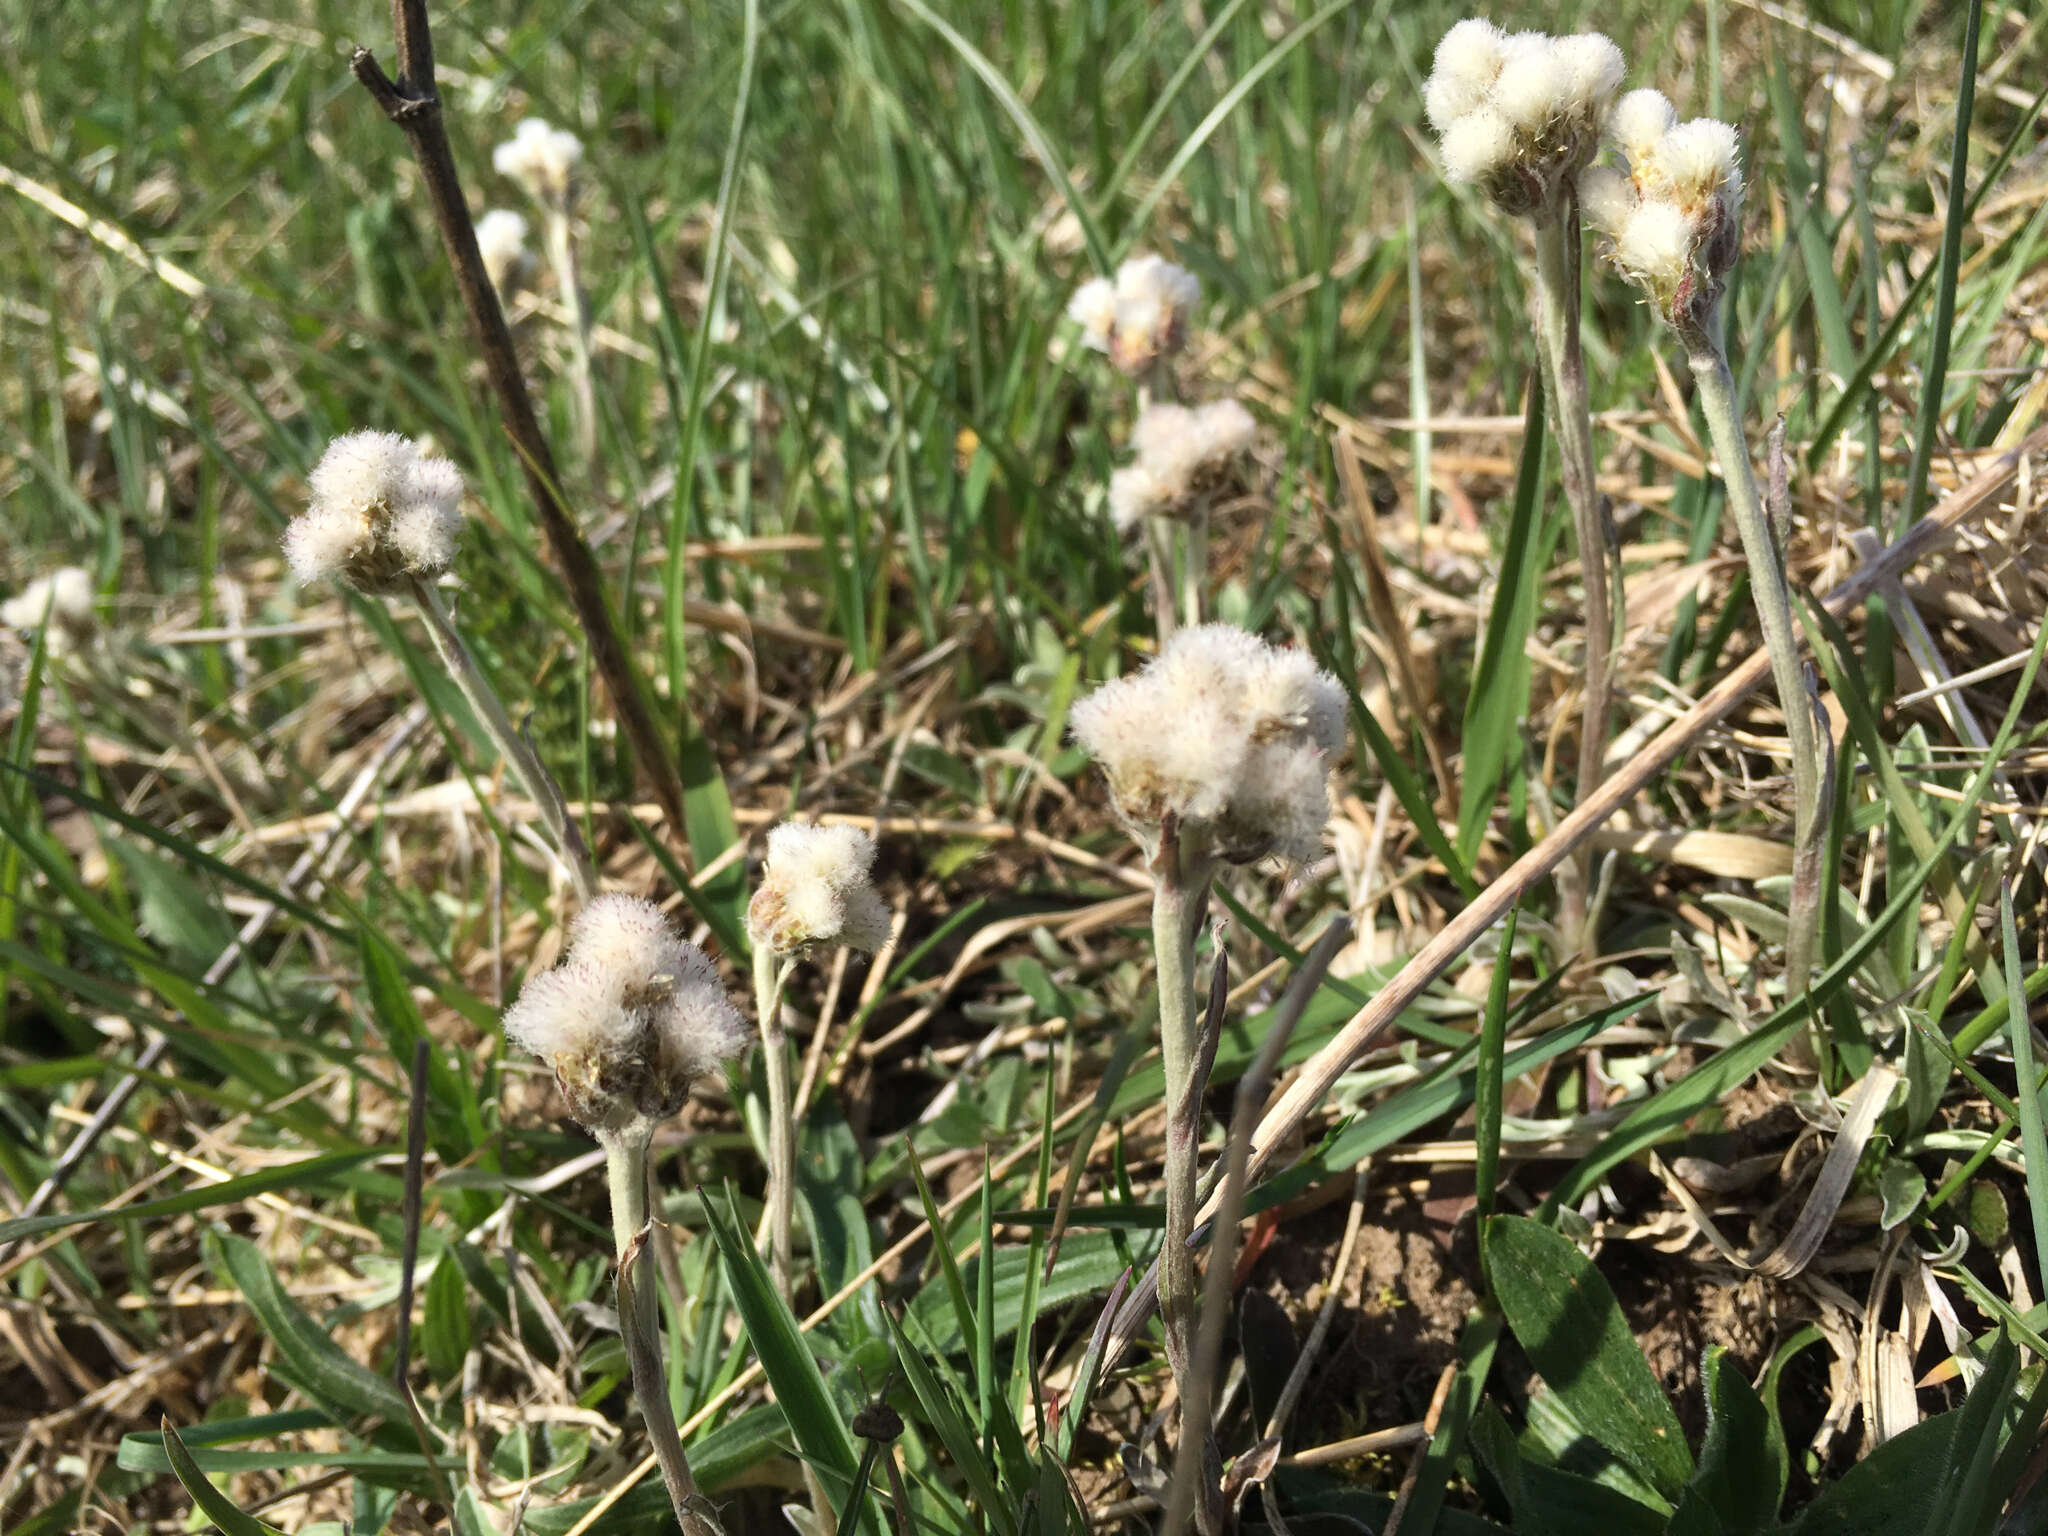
(411, 103)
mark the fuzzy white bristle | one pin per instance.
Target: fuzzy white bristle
(1639, 120)
(572, 1008)
(1470, 53)
(325, 540)
(361, 470)
(1590, 69)
(1093, 308)
(625, 935)
(541, 158)
(817, 887)
(1606, 197)
(1654, 244)
(1286, 691)
(1531, 89)
(61, 599)
(1477, 145)
(699, 1028)
(501, 241)
(1695, 159)
(1136, 493)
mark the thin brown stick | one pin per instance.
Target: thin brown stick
(412, 104)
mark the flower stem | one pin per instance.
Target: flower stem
(625, 1162)
(1770, 587)
(1571, 426)
(1180, 894)
(568, 278)
(768, 980)
(1159, 551)
(1194, 575)
(518, 753)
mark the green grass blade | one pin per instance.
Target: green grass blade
(214, 1504)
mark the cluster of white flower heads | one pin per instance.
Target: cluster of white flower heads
(818, 888)
(501, 241)
(541, 158)
(629, 1019)
(1519, 114)
(1139, 316)
(378, 513)
(1229, 736)
(1183, 454)
(60, 603)
(1675, 214)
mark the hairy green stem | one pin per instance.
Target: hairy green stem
(769, 976)
(1571, 426)
(1770, 587)
(517, 751)
(625, 1163)
(561, 239)
(1194, 574)
(1159, 554)
(1180, 894)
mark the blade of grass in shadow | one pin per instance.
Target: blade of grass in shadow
(1035, 135)
(1488, 1085)
(1934, 377)
(2027, 1088)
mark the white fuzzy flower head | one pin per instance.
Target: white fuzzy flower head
(1639, 121)
(1227, 736)
(1606, 197)
(818, 888)
(1676, 217)
(501, 240)
(541, 158)
(631, 1017)
(60, 603)
(378, 514)
(1519, 115)
(1184, 453)
(1139, 316)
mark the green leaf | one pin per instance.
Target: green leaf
(444, 1329)
(1573, 1331)
(1742, 1468)
(311, 1173)
(453, 1112)
(1498, 701)
(215, 1505)
(1088, 1266)
(1893, 1491)
(307, 1357)
(1549, 1501)
(785, 1355)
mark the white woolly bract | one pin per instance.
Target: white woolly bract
(572, 1008)
(1696, 159)
(626, 936)
(1136, 493)
(817, 887)
(325, 540)
(62, 599)
(501, 241)
(1468, 58)
(1223, 732)
(1654, 245)
(1181, 451)
(1531, 88)
(1477, 145)
(1639, 120)
(1606, 197)
(378, 511)
(1589, 68)
(541, 158)
(1093, 308)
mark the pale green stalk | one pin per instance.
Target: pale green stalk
(561, 238)
(1180, 894)
(1571, 426)
(517, 751)
(1159, 555)
(769, 977)
(625, 1163)
(1772, 591)
(1194, 574)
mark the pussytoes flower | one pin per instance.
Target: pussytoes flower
(1183, 454)
(1139, 316)
(60, 603)
(378, 514)
(501, 241)
(541, 158)
(818, 888)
